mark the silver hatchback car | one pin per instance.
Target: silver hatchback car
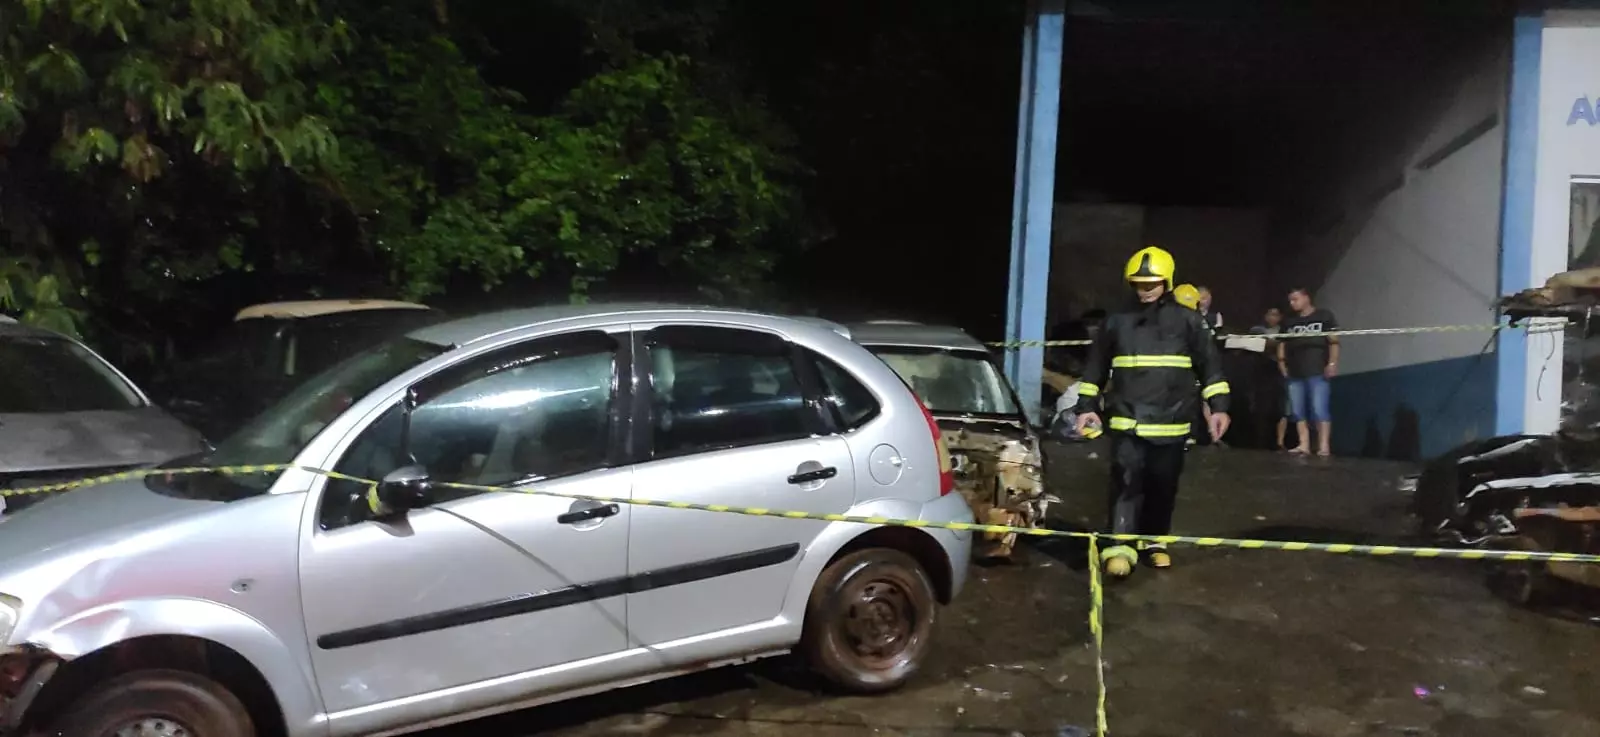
(228, 605)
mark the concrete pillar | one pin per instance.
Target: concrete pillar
(1516, 217)
(1038, 118)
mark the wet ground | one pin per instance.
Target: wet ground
(1227, 643)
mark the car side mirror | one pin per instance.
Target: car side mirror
(404, 489)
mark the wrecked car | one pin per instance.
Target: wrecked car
(304, 603)
(66, 413)
(1453, 498)
(994, 449)
(270, 349)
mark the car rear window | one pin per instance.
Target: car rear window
(47, 375)
(852, 404)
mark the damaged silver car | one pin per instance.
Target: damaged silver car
(66, 413)
(415, 586)
(994, 450)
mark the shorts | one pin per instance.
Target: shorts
(1312, 390)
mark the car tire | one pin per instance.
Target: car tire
(156, 700)
(870, 621)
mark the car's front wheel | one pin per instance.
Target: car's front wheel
(155, 703)
(870, 620)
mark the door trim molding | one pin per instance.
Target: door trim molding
(529, 603)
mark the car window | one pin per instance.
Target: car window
(248, 346)
(322, 341)
(952, 382)
(48, 375)
(706, 399)
(514, 423)
(852, 404)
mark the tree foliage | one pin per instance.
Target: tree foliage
(149, 148)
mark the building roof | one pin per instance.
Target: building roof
(914, 335)
(319, 307)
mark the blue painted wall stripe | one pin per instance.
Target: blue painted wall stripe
(1516, 215)
(1039, 117)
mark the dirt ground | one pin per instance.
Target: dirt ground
(1227, 643)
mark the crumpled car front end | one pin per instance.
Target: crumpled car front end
(1445, 495)
(1000, 469)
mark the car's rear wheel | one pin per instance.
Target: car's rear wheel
(155, 703)
(870, 620)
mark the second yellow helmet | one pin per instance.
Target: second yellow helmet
(1150, 264)
(1187, 295)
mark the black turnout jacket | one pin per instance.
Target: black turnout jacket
(1141, 372)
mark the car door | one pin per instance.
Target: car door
(729, 416)
(403, 612)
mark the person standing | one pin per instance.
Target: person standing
(1278, 396)
(1152, 350)
(1212, 317)
(1190, 297)
(1309, 364)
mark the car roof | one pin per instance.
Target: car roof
(318, 307)
(469, 329)
(914, 335)
(10, 328)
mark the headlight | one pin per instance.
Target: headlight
(10, 612)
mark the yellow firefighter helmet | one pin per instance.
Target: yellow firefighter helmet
(1150, 264)
(1187, 296)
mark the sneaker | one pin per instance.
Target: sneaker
(1119, 567)
(1160, 559)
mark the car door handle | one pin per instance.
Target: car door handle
(604, 510)
(820, 474)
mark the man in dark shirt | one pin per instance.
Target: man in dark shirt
(1309, 364)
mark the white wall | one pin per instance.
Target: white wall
(1569, 68)
(1426, 253)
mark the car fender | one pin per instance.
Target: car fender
(830, 541)
(284, 667)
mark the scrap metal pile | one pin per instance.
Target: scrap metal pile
(1531, 492)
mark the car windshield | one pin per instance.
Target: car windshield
(47, 375)
(952, 382)
(277, 435)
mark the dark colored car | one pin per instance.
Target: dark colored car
(66, 414)
(1471, 493)
(272, 348)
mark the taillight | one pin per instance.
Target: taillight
(947, 473)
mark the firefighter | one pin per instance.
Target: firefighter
(1153, 351)
(1188, 295)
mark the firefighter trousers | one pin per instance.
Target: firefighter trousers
(1144, 489)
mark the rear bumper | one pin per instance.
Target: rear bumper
(957, 544)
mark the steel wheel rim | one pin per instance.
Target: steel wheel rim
(153, 727)
(878, 623)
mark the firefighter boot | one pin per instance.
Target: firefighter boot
(1119, 561)
(1156, 555)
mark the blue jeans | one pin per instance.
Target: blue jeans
(1313, 389)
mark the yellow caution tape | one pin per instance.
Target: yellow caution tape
(1096, 584)
(1096, 629)
(1213, 542)
(1532, 329)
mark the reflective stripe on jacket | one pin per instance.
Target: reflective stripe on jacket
(1142, 368)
